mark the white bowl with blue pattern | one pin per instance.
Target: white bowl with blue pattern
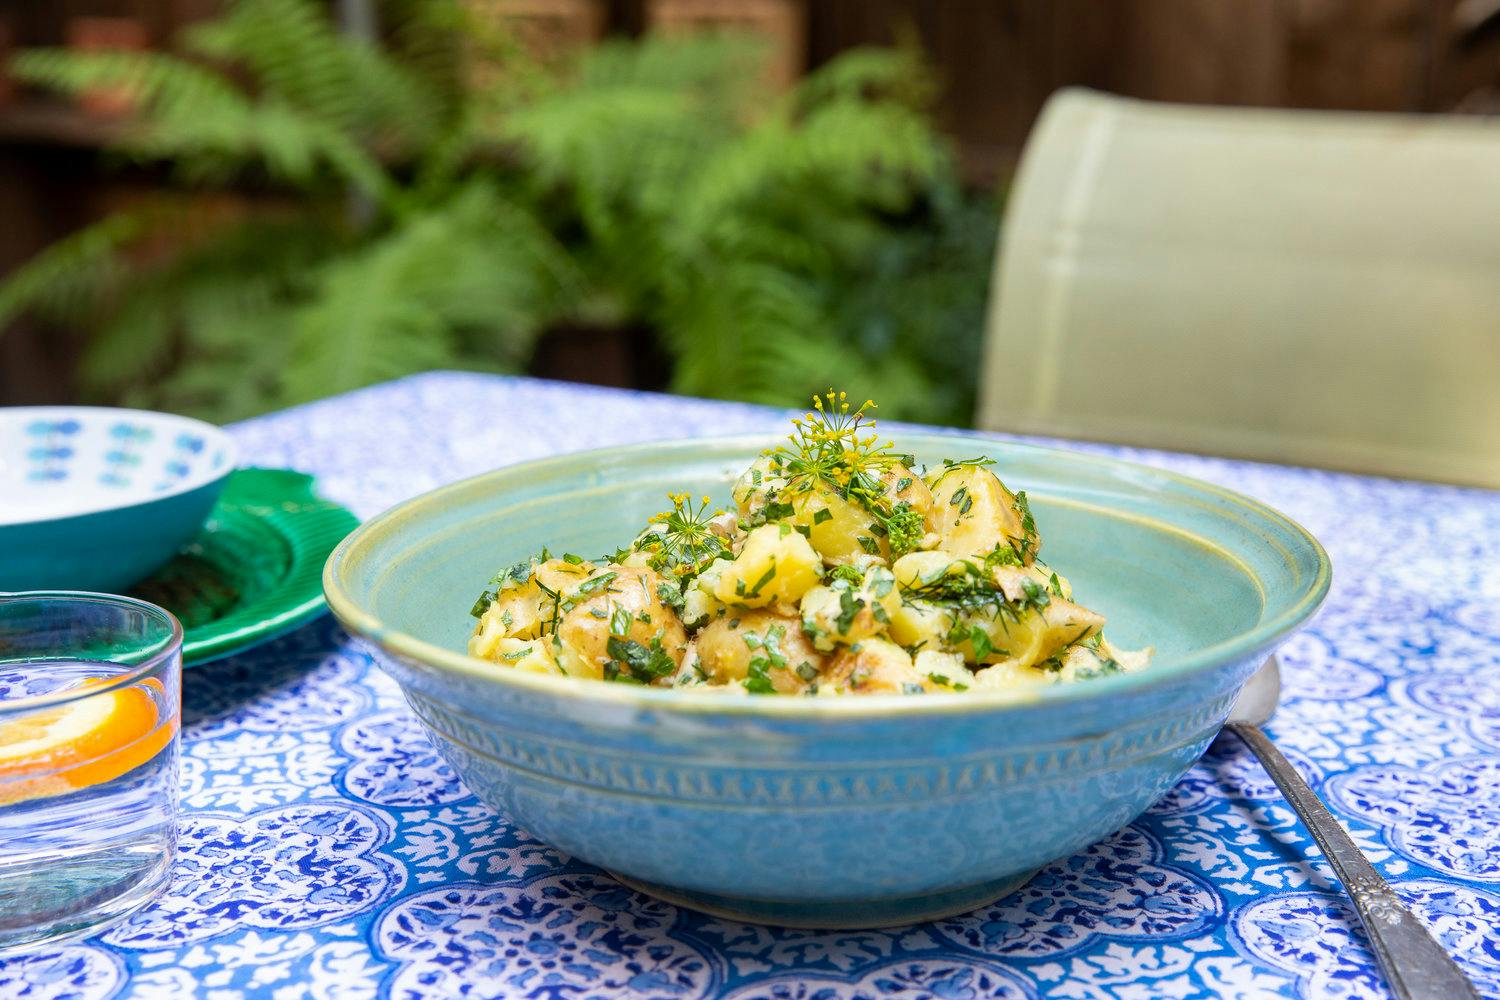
(93, 498)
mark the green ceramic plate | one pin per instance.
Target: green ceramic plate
(255, 570)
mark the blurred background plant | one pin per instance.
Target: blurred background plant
(447, 200)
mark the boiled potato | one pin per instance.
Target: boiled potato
(1039, 634)
(835, 525)
(943, 671)
(902, 485)
(699, 603)
(1021, 584)
(494, 628)
(521, 609)
(758, 649)
(619, 602)
(776, 565)
(699, 607)
(916, 569)
(690, 671)
(1013, 677)
(973, 512)
(757, 486)
(532, 655)
(876, 666)
(846, 612)
(637, 560)
(924, 624)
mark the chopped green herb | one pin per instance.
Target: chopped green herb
(980, 640)
(806, 671)
(846, 572)
(595, 584)
(671, 595)
(775, 511)
(849, 607)
(638, 661)
(758, 677)
(821, 515)
(766, 578)
(619, 622)
(516, 655)
(757, 681)
(1028, 543)
(1036, 595)
(571, 559)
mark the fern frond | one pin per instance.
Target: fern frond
(62, 281)
(193, 116)
(717, 70)
(732, 325)
(361, 328)
(405, 303)
(297, 57)
(864, 156)
(230, 384)
(189, 305)
(775, 244)
(900, 74)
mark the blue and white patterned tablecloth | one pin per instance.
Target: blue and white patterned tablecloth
(328, 852)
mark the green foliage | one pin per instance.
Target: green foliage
(776, 244)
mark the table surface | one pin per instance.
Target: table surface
(327, 851)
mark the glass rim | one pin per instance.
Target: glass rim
(129, 677)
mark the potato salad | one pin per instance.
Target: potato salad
(843, 568)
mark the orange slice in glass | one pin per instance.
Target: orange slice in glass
(82, 742)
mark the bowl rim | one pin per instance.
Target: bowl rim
(698, 702)
(16, 707)
(219, 436)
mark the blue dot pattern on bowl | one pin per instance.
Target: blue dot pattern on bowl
(119, 462)
(179, 465)
(49, 458)
(59, 452)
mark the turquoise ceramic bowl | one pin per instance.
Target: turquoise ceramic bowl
(95, 499)
(831, 812)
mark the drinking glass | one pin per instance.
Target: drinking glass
(90, 710)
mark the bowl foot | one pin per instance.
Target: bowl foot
(838, 914)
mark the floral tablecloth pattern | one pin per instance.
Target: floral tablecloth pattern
(329, 852)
